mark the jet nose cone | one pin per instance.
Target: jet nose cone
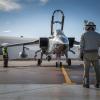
(60, 42)
(61, 48)
(63, 40)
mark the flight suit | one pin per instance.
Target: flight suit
(89, 45)
(5, 56)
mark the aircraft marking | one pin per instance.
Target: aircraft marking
(66, 76)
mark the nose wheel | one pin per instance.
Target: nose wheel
(58, 64)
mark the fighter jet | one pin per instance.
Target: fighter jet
(57, 44)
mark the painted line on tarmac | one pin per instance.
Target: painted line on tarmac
(66, 76)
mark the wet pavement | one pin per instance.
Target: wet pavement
(76, 70)
(48, 92)
(24, 80)
(26, 72)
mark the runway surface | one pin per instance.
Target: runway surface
(48, 92)
(24, 80)
(76, 70)
(27, 72)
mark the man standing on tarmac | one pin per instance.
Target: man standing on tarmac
(5, 56)
(89, 45)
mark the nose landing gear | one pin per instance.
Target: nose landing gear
(58, 64)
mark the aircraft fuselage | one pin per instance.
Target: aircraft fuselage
(58, 44)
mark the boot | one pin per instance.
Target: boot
(86, 83)
(97, 85)
(86, 86)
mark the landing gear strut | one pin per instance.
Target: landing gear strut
(58, 63)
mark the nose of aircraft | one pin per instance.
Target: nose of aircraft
(62, 40)
(61, 47)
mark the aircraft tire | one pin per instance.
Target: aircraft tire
(60, 64)
(49, 58)
(69, 62)
(56, 64)
(39, 62)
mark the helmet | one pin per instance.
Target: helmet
(90, 25)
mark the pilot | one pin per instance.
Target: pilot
(5, 56)
(89, 45)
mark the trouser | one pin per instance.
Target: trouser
(91, 58)
(5, 61)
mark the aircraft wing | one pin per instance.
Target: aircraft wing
(76, 42)
(19, 44)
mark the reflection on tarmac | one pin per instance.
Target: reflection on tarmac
(76, 73)
(23, 72)
(30, 74)
(23, 80)
(48, 92)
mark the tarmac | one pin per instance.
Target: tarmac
(48, 92)
(27, 72)
(24, 80)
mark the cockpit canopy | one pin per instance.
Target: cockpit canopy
(61, 37)
(58, 32)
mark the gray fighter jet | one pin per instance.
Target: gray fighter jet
(58, 44)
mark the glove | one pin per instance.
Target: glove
(81, 56)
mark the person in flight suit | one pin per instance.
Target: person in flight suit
(5, 56)
(89, 45)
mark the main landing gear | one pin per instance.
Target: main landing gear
(69, 62)
(39, 62)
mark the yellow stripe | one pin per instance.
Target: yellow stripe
(66, 76)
